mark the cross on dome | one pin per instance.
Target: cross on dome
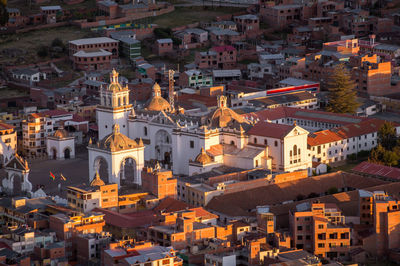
(114, 76)
(116, 129)
(156, 90)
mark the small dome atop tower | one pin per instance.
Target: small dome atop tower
(97, 181)
(203, 157)
(158, 103)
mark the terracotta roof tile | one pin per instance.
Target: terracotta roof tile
(171, 205)
(243, 203)
(4, 126)
(272, 130)
(323, 137)
(378, 170)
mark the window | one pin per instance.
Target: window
(299, 227)
(276, 143)
(299, 237)
(191, 144)
(145, 131)
(320, 226)
(321, 245)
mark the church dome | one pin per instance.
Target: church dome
(116, 141)
(97, 181)
(158, 103)
(61, 133)
(114, 83)
(223, 115)
(203, 157)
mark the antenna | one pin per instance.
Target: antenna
(171, 87)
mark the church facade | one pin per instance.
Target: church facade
(188, 144)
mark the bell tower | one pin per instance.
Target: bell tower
(114, 107)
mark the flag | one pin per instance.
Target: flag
(52, 176)
(63, 178)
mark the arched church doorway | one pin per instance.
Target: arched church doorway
(54, 153)
(67, 153)
(101, 166)
(164, 148)
(128, 171)
(17, 184)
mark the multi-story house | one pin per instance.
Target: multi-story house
(34, 132)
(195, 79)
(67, 228)
(280, 16)
(320, 229)
(129, 253)
(337, 144)
(221, 57)
(382, 212)
(98, 195)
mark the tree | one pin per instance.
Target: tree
(3, 13)
(42, 51)
(380, 155)
(387, 136)
(342, 97)
(332, 190)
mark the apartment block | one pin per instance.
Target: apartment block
(320, 229)
(34, 132)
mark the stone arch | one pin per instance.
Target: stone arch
(67, 153)
(101, 166)
(53, 153)
(128, 170)
(163, 147)
(16, 181)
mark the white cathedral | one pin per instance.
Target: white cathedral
(187, 144)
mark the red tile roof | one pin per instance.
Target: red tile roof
(224, 48)
(203, 214)
(57, 112)
(4, 126)
(190, 100)
(362, 128)
(132, 220)
(312, 115)
(322, 137)
(272, 130)
(77, 118)
(171, 205)
(378, 170)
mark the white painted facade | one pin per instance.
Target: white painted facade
(175, 140)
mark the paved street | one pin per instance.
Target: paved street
(75, 170)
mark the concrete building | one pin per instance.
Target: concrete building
(98, 195)
(35, 130)
(320, 229)
(125, 253)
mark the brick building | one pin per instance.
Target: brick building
(93, 53)
(321, 230)
(164, 46)
(160, 183)
(67, 228)
(248, 24)
(280, 16)
(219, 57)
